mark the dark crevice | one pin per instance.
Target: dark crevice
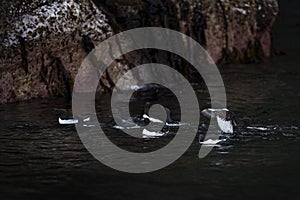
(198, 25)
(225, 50)
(88, 46)
(56, 77)
(64, 74)
(23, 54)
(44, 74)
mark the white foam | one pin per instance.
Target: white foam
(211, 142)
(67, 121)
(258, 128)
(118, 127)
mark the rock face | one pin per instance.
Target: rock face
(44, 42)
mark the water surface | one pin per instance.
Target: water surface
(42, 159)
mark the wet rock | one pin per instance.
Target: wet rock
(43, 43)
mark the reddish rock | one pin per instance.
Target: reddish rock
(40, 61)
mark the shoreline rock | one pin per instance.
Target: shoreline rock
(44, 42)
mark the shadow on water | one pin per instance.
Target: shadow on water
(41, 159)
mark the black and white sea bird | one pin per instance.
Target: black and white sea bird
(224, 117)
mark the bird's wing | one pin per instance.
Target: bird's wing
(67, 121)
(150, 134)
(151, 119)
(225, 125)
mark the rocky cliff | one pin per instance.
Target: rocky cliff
(44, 42)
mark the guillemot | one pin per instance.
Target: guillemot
(169, 121)
(224, 118)
(65, 118)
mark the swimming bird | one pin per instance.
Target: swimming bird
(169, 121)
(66, 118)
(224, 118)
(144, 120)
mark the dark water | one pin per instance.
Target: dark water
(40, 159)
